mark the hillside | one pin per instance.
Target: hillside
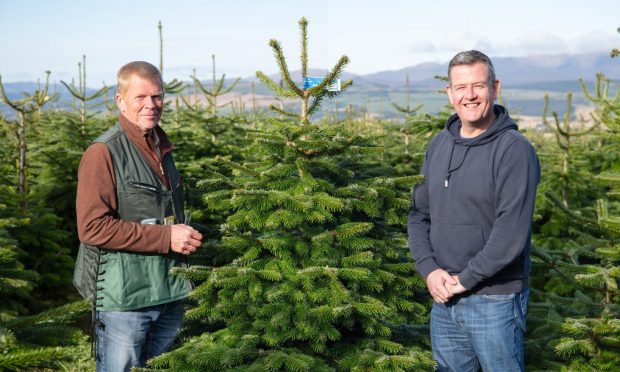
(525, 81)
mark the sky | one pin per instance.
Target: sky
(40, 35)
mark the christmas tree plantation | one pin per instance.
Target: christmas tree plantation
(34, 342)
(314, 270)
(574, 320)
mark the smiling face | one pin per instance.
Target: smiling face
(472, 96)
(142, 102)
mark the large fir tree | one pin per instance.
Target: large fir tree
(316, 274)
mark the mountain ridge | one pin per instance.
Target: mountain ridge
(525, 81)
(514, 71)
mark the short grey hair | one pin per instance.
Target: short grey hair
(470, 57)
(142, 69)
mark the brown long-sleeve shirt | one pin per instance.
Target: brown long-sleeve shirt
(96, 202)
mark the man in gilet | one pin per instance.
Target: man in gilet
(130, 224)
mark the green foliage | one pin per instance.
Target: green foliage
(56, 146)
(407, 109)
(575, 320)
(566, 162)
(79, 93)
(615, 52)
(28, 110)
(405, 142)
(15, 282)
(38, 341)
(41, 168)
(316, 274)
(45, 340)
(217, 90)
(305, 265)
(289, 90)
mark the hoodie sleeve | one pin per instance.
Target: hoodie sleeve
(419, 227)
(515, 193)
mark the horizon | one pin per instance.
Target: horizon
(346, 72)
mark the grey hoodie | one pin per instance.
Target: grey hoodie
(473, 214)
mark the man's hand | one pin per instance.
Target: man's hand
(455, 288)
(437, 283)
(184, 239)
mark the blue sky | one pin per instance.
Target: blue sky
(376, 35)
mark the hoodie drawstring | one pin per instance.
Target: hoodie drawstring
(501, 124)
(450, 170)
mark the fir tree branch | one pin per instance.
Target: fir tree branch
(283, 112)
(60, 314)
(227, 90)
(284, 73)
(74, 92)
(558, 204)
(276, 88)
(330, 77)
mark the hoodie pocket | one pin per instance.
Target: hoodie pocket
(455, 245)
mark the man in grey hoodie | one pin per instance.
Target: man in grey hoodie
(470, 225)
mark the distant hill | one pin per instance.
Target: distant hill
(512, 71)
(525, 80)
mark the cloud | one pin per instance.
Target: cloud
(593, 41)
(533, 42)
(485, 46)
(457, 41)
(18, 76)
(422, 46)
(537, 42)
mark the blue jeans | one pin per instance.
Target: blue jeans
(128, 339)
(476, 332)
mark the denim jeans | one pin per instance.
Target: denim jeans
(128, 339)
(474, 332)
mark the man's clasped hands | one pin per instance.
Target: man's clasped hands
(442, 286)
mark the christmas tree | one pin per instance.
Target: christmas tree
(313, 271)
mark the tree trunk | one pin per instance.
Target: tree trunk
(21, 135)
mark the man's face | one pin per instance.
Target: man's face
(471, 96)
(142, 102)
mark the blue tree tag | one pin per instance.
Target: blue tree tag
(310, 82)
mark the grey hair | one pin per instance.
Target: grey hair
(142, 69)
(470, 57)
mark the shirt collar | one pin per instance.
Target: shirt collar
(141, 139)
